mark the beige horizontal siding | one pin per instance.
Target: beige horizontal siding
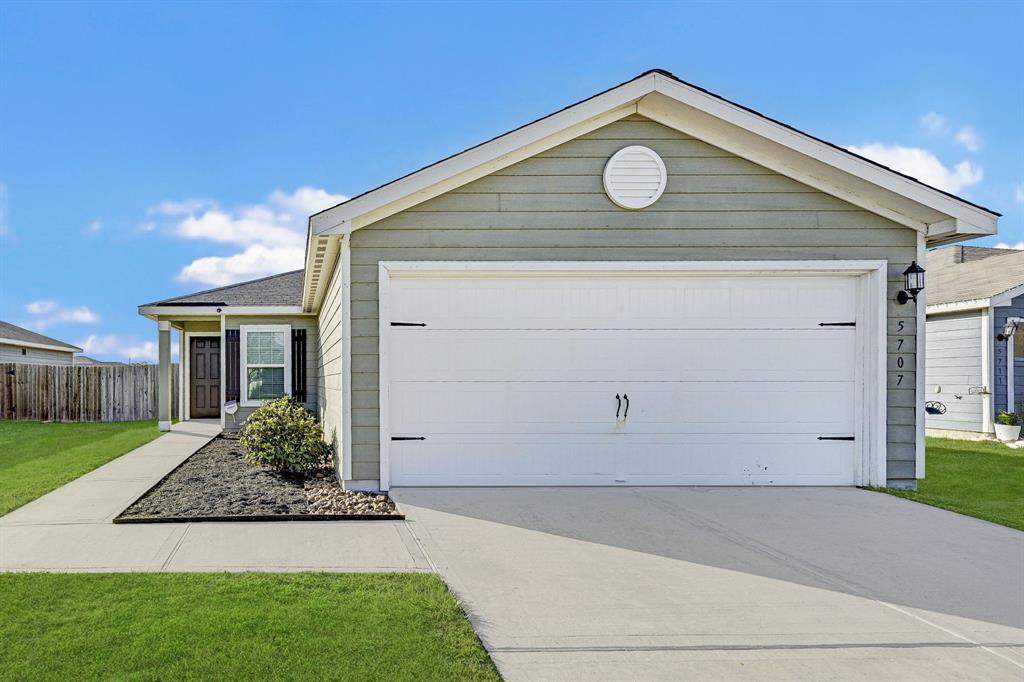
(553, 207)
(34, 356)
(329, 395)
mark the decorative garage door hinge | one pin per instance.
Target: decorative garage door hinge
(408, 324)
(837, 324)
(836, 438)
(408, 437)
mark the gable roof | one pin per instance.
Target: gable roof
(284, 290)
(975, 279)
(12, 334)
(662, 97)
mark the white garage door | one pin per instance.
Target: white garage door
(616, 379)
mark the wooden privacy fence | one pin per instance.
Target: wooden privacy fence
(93, 393)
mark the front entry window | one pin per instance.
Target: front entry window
(266, 373)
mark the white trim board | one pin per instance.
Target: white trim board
(920, 366)
(215, 312)
(40, 346)
(1010, 358)
(871, 333)
(987, 370)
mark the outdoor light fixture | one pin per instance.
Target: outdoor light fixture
(1009, 330)
(913, 283)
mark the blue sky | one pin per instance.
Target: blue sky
(153, 149)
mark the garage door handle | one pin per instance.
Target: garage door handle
(618, 405)
(626, 398)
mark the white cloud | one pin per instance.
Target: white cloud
(256, 261)
(969, 138)
(1018, 193)
(48, 312)
(128, 348)
(273, 234)
(923, 165)
(1019, 246)
(186, 207)
(147, 226)
(94, 227)
(934, 124)
(41, 307)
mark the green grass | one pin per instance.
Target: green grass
(37, 457)
(980, 479)
(242, 626)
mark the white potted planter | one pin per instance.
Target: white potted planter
(1007, 427)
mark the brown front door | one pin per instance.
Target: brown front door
(204, 377)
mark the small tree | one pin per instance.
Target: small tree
(284, 435)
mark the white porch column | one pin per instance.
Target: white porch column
(163, 377)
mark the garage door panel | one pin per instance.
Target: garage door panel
(622, 355)
(431, 408)
(526, 459)
(731, 459)
(730, 380)
(503, 408)
(819, 408)
(615, 302)
(629, 460)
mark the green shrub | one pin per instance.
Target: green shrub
(1008, 418)
(284, 435)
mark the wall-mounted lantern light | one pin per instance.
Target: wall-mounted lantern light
(913, 283)
(1008, 330)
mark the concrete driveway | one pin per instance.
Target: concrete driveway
(727, 583)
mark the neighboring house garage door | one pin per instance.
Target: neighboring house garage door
(618, 378)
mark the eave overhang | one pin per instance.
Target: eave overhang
(941, 217)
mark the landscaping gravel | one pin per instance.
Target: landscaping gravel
(217, 482)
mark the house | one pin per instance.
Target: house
(85, 360)
(975, 337)
(654, 285)
(27, 347)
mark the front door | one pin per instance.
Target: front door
(204, 377)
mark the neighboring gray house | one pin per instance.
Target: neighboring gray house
(654, 285)
(27, 347)
(975, 364)
(85, 360)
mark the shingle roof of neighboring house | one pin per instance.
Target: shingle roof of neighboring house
(86, 360)
(972, 273)
(283, 289)
(12, 332)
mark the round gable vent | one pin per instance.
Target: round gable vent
(635, 177)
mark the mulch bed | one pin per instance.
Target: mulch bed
(216, 484)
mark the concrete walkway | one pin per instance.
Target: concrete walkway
(70, 529)
(727, 583)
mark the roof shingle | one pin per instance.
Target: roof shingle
(955, 275)
(16, 333)
(283, 289)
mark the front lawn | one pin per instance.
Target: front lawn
(980, 479)
(37, 457)
(235, 626)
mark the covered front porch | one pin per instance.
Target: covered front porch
(230, 364)
(239, 345)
